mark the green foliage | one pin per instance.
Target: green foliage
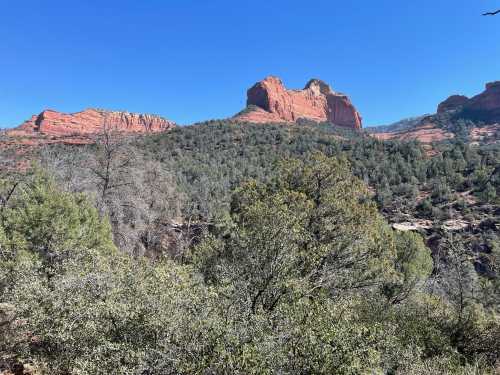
(110, 315)
(206, 162)
(299, 272)
(211, 159)
(310, 230)
(460, 182)
(413, 263)
(52, 224)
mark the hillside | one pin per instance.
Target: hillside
(195, 188)
(233, 256)
(231, 230)
(208, 161)
(400, 125)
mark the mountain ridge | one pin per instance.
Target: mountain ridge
(90, 121)
(477, 118)
(269, 101)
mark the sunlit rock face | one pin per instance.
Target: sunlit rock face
(270, 101)
(91, 121)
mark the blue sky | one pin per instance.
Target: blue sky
(191, 60)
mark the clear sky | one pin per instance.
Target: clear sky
(192, 60)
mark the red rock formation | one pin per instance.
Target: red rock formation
(88, 122)
(452, 103)
(428, 132)
(486, 134)
(270, 101)
(485, 106)
(425, 133)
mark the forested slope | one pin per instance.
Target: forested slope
(244, 248)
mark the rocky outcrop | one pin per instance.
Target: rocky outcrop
(452, 103)
(270, 101)
(429, 132)
(88, 122)
(485, 106)
(425, 133)
(482, 110)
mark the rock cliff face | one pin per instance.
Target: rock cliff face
(424, 133)
(452, 103)
(90, 121)
(485, 106)
(270, 101)
(482, 110)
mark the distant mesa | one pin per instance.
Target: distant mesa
(483, 110)
(90, 122)
(269, 101)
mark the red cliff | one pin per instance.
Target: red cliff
(482, 110)
(270, 101)
(452, 103)
(485, 106)
(90, 121)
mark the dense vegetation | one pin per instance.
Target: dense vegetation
(266, 252)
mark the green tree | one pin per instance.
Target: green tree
(311, 229)
(413, 264)
(71, 303)
(51, 224)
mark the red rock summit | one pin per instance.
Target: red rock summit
(88, 122)
(270, 101)
(452, 103)
(484, 107)
(483, 110)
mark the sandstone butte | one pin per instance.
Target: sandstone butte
(89, 122)
(270, 101)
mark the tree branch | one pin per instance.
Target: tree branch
(491, 13)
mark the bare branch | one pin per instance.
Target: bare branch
(491, 13)
(5, 200)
